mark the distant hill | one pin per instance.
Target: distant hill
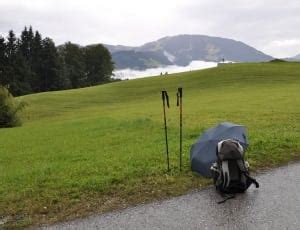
(139, 60)
(182, 49)
(117, 48)
(294, 58)
(297, 57)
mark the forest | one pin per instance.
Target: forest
(32, 64)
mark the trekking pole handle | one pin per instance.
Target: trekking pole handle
(180, 92)
(167, 97)
(164, 95)
(179, 95)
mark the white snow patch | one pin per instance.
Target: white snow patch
(170, 57)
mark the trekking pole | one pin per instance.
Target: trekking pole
(179, 103)
(165, 96)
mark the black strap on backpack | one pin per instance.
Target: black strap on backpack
(242, 167)
(253, 181)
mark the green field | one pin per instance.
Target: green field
(101, 148)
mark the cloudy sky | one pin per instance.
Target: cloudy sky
(272, 26)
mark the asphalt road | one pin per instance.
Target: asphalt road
(275, 205)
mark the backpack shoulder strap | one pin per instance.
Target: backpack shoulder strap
(244, 170)
(252, 180)
(226, 174)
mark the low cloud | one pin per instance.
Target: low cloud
(132, 74)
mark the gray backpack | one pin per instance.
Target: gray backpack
(231, 171)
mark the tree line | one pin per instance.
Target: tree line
(31, 64)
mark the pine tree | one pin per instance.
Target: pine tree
(18, 71)
(32, 64)
(11, 50)
(3, 63)
(74, 66)
(11, 44)
(36, 45)
(51, 78)
(35, 62)
(99, 65)
(30, 38)
(24, 43)
(22, 76)
(2, 49)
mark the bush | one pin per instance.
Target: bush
(9, 109)
(277, 60)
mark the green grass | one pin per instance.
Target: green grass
(101, 148)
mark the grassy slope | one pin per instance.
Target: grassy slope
(102, 147)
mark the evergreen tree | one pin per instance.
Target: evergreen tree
(51, 78)
(22, 75)
(11, 51)
(36, 46)
(3, 63)
(32, 64)
(30, 38)
(35, 62)
(74, 64)
(2, 49)
(18, 71)
(11, 44)
(99, 65)
(26, 43)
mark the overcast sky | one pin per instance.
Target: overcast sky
(272, 26)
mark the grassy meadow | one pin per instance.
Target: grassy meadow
(101, 148)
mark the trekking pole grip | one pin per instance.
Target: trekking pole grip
(180, 92)
(163, 95)
(179, 95)
(167, 98)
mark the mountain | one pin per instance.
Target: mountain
(139, 60)
(182, 49)
(294, 58)
(113, 49)
(297, 57)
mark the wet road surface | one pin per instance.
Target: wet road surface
(275, 205)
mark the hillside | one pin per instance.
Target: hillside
(139, 60)
(102, 148)
(182, 49)
(294, 58)
(297, 57)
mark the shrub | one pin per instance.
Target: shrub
(9, 109)
(278, 60)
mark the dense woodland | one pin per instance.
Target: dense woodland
(30, 64)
